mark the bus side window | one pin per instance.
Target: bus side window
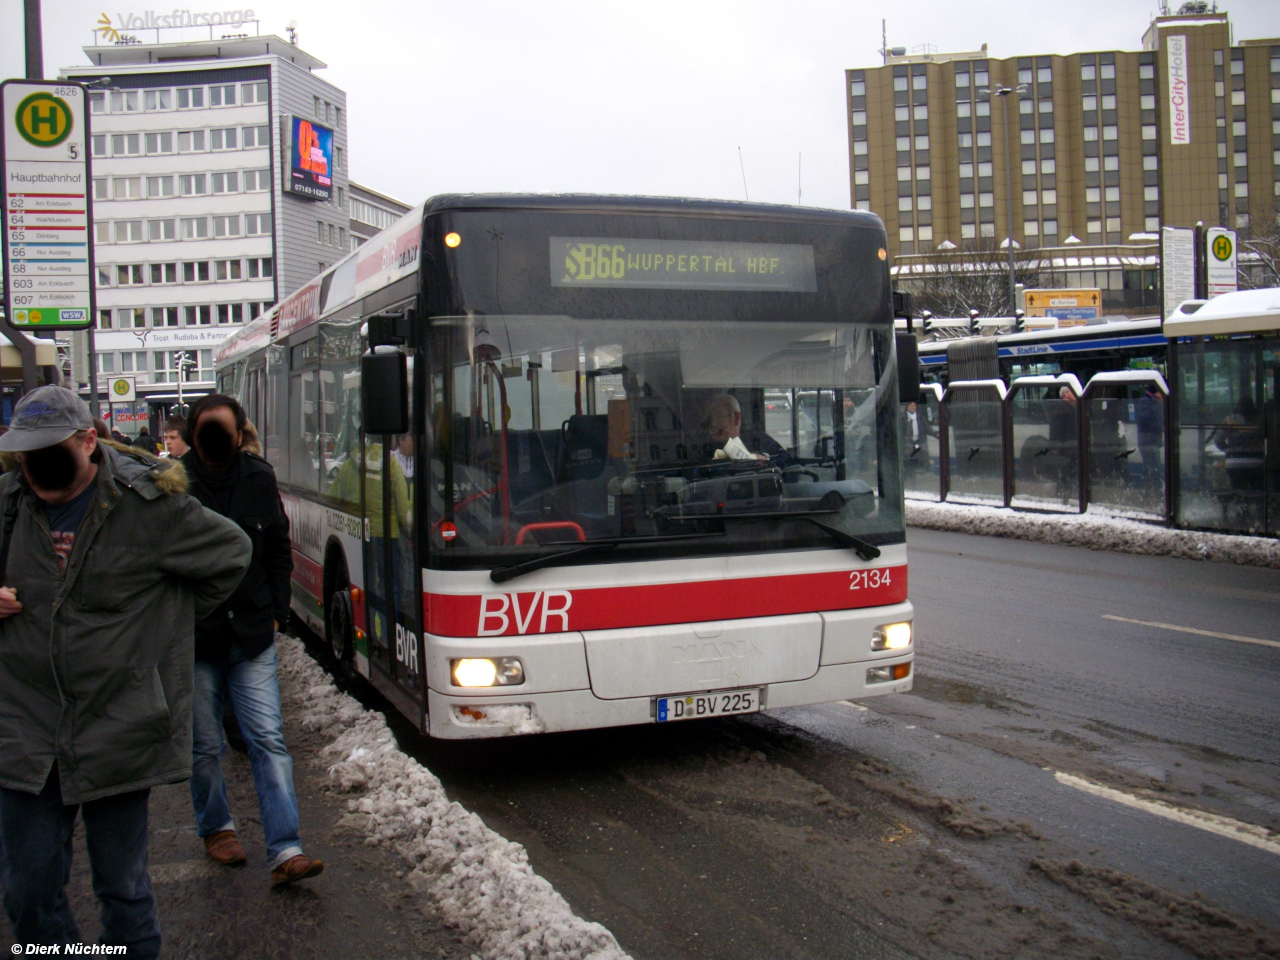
(277, 400)
(340, 411)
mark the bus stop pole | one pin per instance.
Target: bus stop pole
(34, 39)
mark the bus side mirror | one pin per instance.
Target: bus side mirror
(908, 349)
(384, 382)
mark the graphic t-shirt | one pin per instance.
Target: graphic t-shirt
(64, 521)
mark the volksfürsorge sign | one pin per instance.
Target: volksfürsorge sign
(44, 189)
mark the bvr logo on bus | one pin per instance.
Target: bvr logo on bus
(43, 120)
(1222, 247)
(499, 612)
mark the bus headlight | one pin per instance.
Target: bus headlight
(487, 672)
(892, 636)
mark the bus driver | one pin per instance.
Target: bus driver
(723, 424)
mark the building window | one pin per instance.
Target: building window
(1031, 228)
(987, 229)
(190, 98)
(1051, 227)
(128, 231)
(1242, 189)
(193, 184)
(904, 204)
(107, 361)
(859, 118)
(254, 92)
(97, 103)
(1152, 224)
(257, 224)
(986, 199)
(230, 313)
(226, 270)
(966, 201)
(128, 274)
(162, 230)
(195, 272)
(124, 101)
(104, 320)
(160, 186)
(226, 226)
(1049, 197)
(224, 138)
(100, 189)
(98, 147)
(159, 100)
(191, 141)
(1110, 133)
(256, 137)
(257, 180)
(164, 273)
(1090, 134)
(163, 317)
(906, 235)
(127, 188)
(104, 276)
(984, 139)
(126, 144)
(222, 95)
(102, 232)
(195, 228)
(198, 315)
(1148, 131)
(226, 182)
(259, 268)
(159, 143)
(968, 231)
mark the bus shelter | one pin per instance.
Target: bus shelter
(975, 418)
(1045, 419)
(921, 436)
(1126, 413)
(1224, 362)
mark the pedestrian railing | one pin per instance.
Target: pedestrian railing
(1043, 443)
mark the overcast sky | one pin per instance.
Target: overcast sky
(647, 98)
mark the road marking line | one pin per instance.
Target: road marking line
(1249, 833)
(1202, 633)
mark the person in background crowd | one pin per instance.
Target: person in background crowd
(100, 428)
(119, 437)
(145, 441)
(175, 429)
(235, 646)
(96, 621)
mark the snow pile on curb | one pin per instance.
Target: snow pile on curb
(481, 883)
(1094, 531)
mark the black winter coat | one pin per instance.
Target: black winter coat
(263, 594)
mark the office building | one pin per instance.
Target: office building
(219, 186)
(1104, 148)
(371, 212)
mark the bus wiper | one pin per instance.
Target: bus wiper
(865, 550)
(511, 571)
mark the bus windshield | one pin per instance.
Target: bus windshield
(671, 437)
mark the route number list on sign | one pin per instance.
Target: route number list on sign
(48, 253)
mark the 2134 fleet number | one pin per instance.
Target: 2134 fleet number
(870, 579)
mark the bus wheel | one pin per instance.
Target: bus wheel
(338, 623)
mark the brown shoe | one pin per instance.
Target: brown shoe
(224, 847)
(296, 868)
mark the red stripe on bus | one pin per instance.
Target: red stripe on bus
(309, 574)
(557, 611)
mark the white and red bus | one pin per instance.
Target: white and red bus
(554, 463)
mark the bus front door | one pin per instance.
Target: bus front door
(395, 605)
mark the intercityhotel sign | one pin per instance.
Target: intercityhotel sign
(171, 19)
(1179, 91)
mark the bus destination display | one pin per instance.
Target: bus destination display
(681, 264)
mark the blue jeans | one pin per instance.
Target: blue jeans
(36, 832)
(255, 697)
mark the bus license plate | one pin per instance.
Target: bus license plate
(721, 704)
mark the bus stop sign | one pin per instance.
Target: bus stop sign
(1222, 260)
(44, 192)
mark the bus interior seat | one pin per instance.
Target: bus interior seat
(585, 447)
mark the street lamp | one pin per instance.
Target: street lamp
(185, 363)
(986, 93)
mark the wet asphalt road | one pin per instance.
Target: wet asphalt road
(907, 826)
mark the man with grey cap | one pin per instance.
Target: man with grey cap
(106, 565)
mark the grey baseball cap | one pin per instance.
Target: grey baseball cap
(45, 417)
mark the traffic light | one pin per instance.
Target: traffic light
(1019, 321)
(926, 321)
(973, 323)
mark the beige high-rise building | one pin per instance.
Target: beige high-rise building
(1103, 149)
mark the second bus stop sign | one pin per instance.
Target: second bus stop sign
(44, 187)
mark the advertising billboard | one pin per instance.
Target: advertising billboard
(310, 159)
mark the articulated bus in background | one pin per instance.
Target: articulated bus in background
(555, 463)
(1081, 351)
